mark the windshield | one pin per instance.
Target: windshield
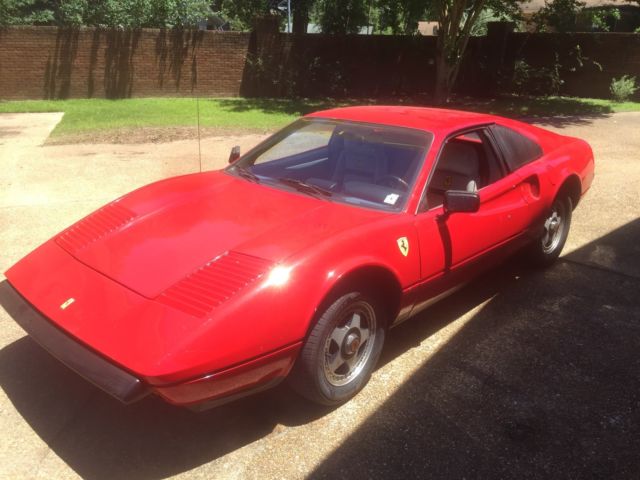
(362, 164)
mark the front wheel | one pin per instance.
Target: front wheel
(556, 230)
(341, 351)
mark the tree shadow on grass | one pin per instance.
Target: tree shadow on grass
(297, 106)
(547, 111)
(303, 106)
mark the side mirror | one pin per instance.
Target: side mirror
(461, 201)
(235, 154)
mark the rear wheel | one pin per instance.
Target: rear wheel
(341, 351)
(556, 230)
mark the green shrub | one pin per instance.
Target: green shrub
(622, 88)
(536, 80)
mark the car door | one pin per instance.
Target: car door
(469, 161)
(522, 156)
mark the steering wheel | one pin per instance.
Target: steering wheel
(393, 181)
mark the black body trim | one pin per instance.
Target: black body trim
(218, 401)
(103, 374)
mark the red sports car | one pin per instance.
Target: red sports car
(295, 260)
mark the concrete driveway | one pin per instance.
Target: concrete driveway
(523, 374)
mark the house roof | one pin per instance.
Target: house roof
(534, 5)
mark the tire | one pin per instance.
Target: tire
(546, 249)
(341, 351)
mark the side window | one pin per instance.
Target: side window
(466, 162)
(518, 150)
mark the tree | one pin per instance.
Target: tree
(341, 16)
(456, 20)
(574, 15)
(301, 10)
(383, 16)
(399, 17)
(559, 15)
(24, 12)
(104, 13)
(241, 13)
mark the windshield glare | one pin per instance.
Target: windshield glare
(369, 165)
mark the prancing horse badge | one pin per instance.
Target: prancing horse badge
(403, 245)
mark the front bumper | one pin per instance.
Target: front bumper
(198, 393)
(115, 381)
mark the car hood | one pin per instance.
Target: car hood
(153, 237)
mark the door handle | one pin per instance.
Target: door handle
(531, 188)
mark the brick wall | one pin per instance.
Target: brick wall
(47, 62)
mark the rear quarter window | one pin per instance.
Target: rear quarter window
(518, 150)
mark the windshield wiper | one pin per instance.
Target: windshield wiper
(247, 174)
(305, 187)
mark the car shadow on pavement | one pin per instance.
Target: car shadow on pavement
(98, 437)
(542, 382)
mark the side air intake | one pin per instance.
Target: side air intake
(214, 283)
(96, 225)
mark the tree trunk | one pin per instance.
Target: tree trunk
(444, 73)
(453, 37)
(300, 16)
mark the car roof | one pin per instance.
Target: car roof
(435, 120)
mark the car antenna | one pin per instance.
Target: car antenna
(198, 120)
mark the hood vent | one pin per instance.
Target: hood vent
(211, 285)
(94, 226)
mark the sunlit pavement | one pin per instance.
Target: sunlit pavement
(522, 374)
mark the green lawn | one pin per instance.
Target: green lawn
(83, 116)
(87, 115)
